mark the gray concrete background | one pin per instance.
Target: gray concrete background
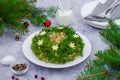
(8, 46)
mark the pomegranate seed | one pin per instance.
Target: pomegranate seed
(42, 78)
(36, 76)
(17, 79)
(13, 77)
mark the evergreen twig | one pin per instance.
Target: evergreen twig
(13, 12)
(97, 70)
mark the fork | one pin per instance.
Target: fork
(103, 14)
(108, 15)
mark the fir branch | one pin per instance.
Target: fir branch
(111, 34)
(95, 71)
(90, 66)
(51, 11)
(109, 60)
(2, 29)
(89, 76)
(117, 74)
(110, 57)
(12, 12)
(32, 1)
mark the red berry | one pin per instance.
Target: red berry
(17, 79)
(13, 77)
(36, 76)
(42, 78)
(47, 23)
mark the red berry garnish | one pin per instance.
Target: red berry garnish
(17, 79)
(13, 77)
(36, 76)
(47, 23)
(42, 78)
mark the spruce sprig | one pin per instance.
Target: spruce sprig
(13, 13)
(111, 34)
(106, 66)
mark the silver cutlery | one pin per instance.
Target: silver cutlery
(108, 10)
(108, 15)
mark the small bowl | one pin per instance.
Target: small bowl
(20, 66)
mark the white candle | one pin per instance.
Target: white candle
(64, 17)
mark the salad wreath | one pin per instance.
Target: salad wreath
(57, 45)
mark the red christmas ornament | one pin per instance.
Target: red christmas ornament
(47, 23)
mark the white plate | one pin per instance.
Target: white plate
(88, 8)
(26, 47)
